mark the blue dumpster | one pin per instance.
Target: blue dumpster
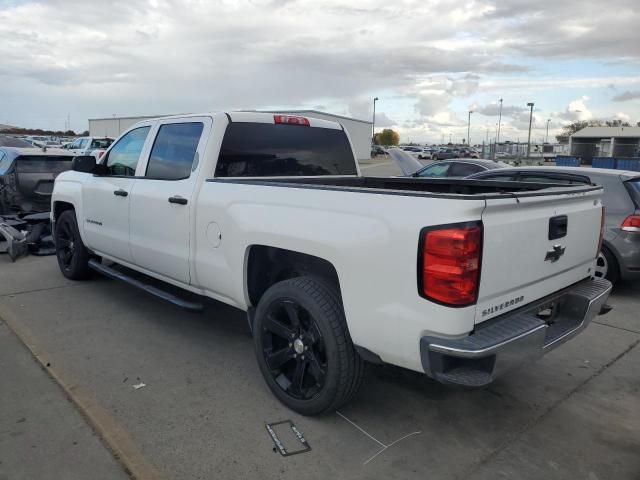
(628, 164)
(565, 161)
(603, 162)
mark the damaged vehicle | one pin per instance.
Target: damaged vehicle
(27, 176)
(26, 182)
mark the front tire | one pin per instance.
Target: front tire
(303, 346)
(73, 256)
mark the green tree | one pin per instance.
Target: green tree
(387, 137)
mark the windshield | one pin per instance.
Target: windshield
(101, 143)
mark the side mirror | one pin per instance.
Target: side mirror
(84, 163)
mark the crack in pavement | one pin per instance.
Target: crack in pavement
(35, 290)
(529, 425)
(616, 327)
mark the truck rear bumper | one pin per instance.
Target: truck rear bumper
(518, 337)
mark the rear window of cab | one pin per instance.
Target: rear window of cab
(271, 150)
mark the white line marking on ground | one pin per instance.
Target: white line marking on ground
(384, 447)
(362, 430)
(390, 445)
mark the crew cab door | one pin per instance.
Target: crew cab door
(106, 198)
(161, 201)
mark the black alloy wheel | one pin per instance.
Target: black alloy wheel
(303, 346)
(294, 349)
(73, 256)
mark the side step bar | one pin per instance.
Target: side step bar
(155, 291)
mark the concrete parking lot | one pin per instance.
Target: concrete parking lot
(202, 413)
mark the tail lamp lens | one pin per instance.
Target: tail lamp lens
(631, 224)
(451, 264)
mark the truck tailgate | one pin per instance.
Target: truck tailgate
(521, 261)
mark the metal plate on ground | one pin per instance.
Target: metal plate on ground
(286, 437)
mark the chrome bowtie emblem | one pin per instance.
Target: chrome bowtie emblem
(555, 253)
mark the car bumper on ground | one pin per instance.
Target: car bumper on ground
(515, 338)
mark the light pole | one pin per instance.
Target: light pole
(530, 104)
(469, 128)
(373, 124)
(499, 121)
(546, 138)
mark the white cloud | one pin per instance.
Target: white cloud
(577, 110)
(426, 60)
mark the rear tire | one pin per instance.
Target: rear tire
(607, 266)
(73, 256)
(303, 346)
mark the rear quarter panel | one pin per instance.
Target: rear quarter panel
(371, 240)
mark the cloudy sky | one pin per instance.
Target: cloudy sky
(428, 61)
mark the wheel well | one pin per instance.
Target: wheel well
(269, 265)
(60, 207)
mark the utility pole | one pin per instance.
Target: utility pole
(373, 124)
(499, 122)
(469, 128)
(530, 104)
(546, 138)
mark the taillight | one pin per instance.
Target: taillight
(100, 154)
(631, 224)
(450, 264)
(601, 239)
(291, 120)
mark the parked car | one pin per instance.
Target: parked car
(378, 150)
(26, 178)
(445, 154)
(34, 140)
(90, 145)
(620, 254)
(460, 167)
(425, 154)
(269, 213)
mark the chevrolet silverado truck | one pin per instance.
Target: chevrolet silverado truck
(459, 279)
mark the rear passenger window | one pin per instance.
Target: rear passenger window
(174, 150)
(268, 150)
(464, 169)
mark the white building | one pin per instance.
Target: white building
(605, 142)
(359, 130)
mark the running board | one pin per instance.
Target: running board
(155, 291)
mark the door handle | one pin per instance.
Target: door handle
(177, 199)
(121, 193)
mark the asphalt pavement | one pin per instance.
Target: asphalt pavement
(202, 411)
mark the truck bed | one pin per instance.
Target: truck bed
(440, 187)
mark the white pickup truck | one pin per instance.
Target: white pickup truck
(459, 279)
